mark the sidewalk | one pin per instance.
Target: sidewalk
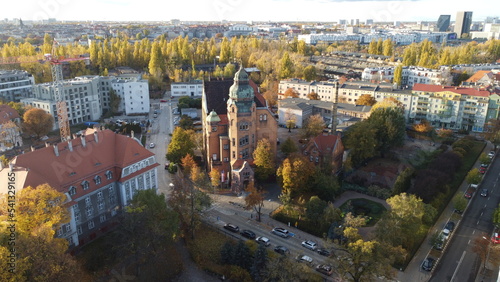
(412, 272)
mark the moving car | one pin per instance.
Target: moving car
(282, 232)
(428, 264)
(281, 250)
(248, 234)
(309, 245)
(484, 192)
(151, 145)
(263, 240)
(304, 258)
(231, 227)
(325, 269)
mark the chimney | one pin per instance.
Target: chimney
(32, 149)
(96, 138)
(131, 134)
(56, 150)
(70, 146)
(83, 140)
(74, 136)
(47, 144)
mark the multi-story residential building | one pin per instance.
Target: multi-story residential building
(462, 23)
(10, 136)
(401, 38)
(235, 117)
(15, 85)
(193, 88)
(81, 94)
(133, 93)
(410, 75)
(449, 107)
(99, 172)
(324, 89)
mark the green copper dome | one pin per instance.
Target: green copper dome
(213, 117)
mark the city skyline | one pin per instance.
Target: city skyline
(239, 10)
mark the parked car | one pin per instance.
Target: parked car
(445, 233)
(325, 269)
(439, 243)
(428, 264)
(484, 165)
(281, 250)
(263, 240)
(231, 227)
(282, 232)
(473, 186)
(491, 154)
(304, 258)
(469, 193)
(450, 226)
(309, 245)
(495, 239)
(248, 234)
(482, 170)
(163, 101)
(484, 192)
(323, 252)
(151, 145)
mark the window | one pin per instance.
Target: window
(99, 195)
(76, 211)
(102, 218)
(109, 174)
(226, 146)
(226, 160)
(244, 125)
(91, 224)
(59, 232)
(214, 128)
(80, 230)
(234, 142)
(85, 185)
(88, 201)
(97, 180)
(68, 227)
(100, 204)
(72, 190)
(214, 157)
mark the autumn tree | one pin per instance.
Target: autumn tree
(398, 75)
(423, 127)
(366, 100)
(215, 177)
(313, 96)
(188, 164)
(491, 131)
(291, 93)
(459, 202)
(294, 174)
(387, 47)
(271, 94)
(313, 127)
(496, 217)
(286, 68)
(10, 134)
(255, 199)
(372, 47)
(473, 176)
(181, 145)
(310, 73)
(37, 122)
(264, 160)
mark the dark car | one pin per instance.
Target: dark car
(450, 226)
(325, 269)
(281, 250)
(248, 234)
(163, 101)
(231, 227)
(428, 264)
(324, 252)
(484, 192)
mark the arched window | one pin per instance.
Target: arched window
(85, 185)
(109, 174)
(97, 179)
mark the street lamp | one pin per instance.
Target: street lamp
(487, 255)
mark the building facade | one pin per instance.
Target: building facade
(462, 23)
(15, 85)
(99, 172)
(235, 118)
(410, 75)
(10, 128)
(134, 95)
(443, 23)
(192, 89)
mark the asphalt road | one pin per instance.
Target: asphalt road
(460, 262)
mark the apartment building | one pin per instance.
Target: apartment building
(192, 88)
(133, 93)
(16, 85)
(324, 89)
(9, 136)
(99, 172)
(411, 75)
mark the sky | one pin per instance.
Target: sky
(244, 10)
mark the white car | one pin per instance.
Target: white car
(304, 258)
(263, 240)
(491, 154)
(151, 145)
(310, 245)
(446, 234)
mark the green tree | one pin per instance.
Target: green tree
(459, 202)
(264, 160)
(313, 127)
(258, 269)
(255, 200)
(390, 127)
(37, 122)
(315, 208)
(403, 181)
(398, 75)
(366, 100)
(286, 69)
(289, 147)
(310, 73)
(362, 142)
(181, 145)
(114, 101)
(326, 185)
(473, 176)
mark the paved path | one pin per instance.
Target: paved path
(191, 272)
(350, 195)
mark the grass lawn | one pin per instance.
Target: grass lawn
(372, 210)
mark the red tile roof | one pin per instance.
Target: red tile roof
(454, 89)
(111, 152)
(325, 143)
(7, 113)
(478, 75)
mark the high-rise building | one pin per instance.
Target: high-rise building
(443, 23)
(462, 23)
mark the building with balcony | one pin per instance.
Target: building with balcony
(99, 172)
(15, 85)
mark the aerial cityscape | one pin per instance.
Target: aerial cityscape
(320, 140)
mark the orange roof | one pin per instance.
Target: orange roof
(325, 143)
(478, 75)
(110, 151)
(454, 89)
(7, 113)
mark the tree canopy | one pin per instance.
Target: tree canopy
(37, 122)
(181, 144)
(264, 160)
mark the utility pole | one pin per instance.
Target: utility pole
(335, 101)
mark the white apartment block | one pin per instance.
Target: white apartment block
(192, 89)
(134, 95)
(15, 85)
(324, 89)
(411, 75)
(401, 38)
